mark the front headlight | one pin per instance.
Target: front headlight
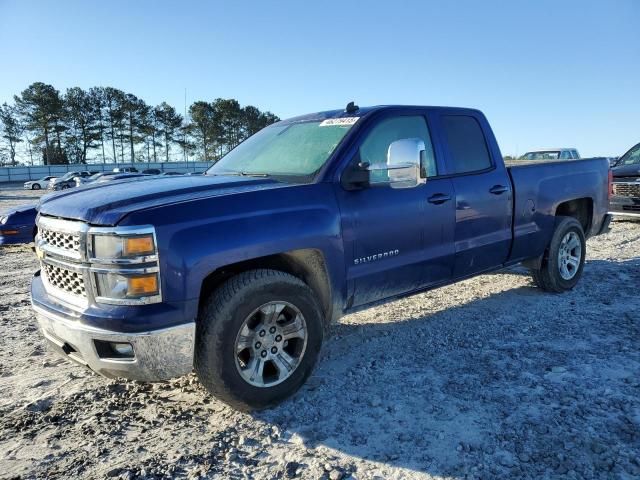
(3, 219)
(117, 247)
(124, 264)
(121, 286)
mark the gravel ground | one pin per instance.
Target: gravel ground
(489, 378)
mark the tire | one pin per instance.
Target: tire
(227, 312)
(551, 276)
(35, 186)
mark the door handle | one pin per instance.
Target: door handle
(498, 189)
(438, 198)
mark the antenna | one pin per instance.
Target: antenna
(351, 108)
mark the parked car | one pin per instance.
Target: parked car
(625, 199)
(18, 225)
(38, 184)
(164, 174)
(239, 272)
(125, 170)
(93, 178)
(120, 176)
(552, 154)
(67, 180)
(152, 171)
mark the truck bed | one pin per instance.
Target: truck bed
(538, 187)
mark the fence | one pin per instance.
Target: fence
(16, 174)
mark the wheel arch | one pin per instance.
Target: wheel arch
(581, 209)
(306, 264)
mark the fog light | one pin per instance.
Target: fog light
(124, 349)
(114, 350)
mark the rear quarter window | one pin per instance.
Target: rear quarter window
(467, 145)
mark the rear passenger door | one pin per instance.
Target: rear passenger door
(483, 196)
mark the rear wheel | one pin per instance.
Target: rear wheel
(35, 186)
(258, 338)
(563, 261)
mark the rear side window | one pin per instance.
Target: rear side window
(467, 145)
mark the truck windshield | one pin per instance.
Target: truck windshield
(284, 149)
(542, 155)
(632, 157)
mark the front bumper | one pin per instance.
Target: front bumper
(624, 206)
(157, 354)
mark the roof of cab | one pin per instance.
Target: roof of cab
(363, 111)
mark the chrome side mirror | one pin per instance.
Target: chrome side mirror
(403, 163)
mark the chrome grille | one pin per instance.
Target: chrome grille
(64, 279)
(61, 240)
(626, 189)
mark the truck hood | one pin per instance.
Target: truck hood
(626, 171)
(107, 203)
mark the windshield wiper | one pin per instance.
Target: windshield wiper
(242, 174)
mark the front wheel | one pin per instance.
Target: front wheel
(35, 186)
(563, 261)
(258, 338)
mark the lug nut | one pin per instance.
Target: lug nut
(278, 338)
(264, 353)
(272, 330)
(274, 349)
(262, 333)
(258, 345)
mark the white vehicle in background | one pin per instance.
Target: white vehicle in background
(38, 184)
(552, 154)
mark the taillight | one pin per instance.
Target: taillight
(610, 184)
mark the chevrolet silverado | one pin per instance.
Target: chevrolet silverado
(237, 273)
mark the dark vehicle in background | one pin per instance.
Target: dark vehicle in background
(38, 184)
(152, 171)
(18, 225)
(625, 198)
(67, 180)
(239, 273)
(552, 154)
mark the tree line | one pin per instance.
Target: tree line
(105, 124)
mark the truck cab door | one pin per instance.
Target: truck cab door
(388, 249)
(483, 194)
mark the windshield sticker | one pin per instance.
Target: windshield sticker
(331, 122)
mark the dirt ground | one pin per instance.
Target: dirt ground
(488, 378)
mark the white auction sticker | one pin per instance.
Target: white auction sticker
(330, 122)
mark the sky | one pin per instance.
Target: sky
(546, 73)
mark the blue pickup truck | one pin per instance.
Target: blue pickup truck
(237, 273)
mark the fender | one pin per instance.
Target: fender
(198, 237)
